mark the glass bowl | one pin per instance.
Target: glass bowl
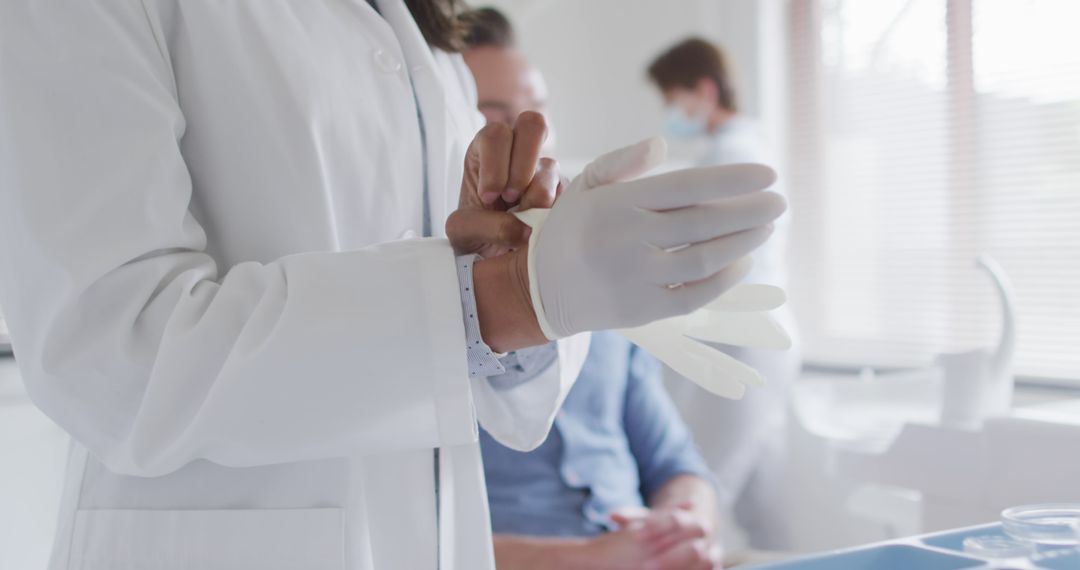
(1052, 523)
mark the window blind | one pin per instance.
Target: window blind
(923, 133)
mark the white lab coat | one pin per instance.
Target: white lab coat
(208, 267)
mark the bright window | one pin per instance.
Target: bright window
(925, 132)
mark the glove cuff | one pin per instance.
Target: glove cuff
(535, 218)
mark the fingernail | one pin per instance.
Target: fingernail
(488, 198)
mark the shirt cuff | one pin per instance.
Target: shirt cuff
(524, 365)
(482, 360)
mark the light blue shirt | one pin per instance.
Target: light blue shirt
(617, 440)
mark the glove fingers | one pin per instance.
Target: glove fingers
(705, 366)
(752, 330)
(693, 295)
(723, 367)
(749, 297)
(701, 260)
(711, 220)
(622, 164)
(683, 188)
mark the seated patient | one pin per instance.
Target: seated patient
(618, 483)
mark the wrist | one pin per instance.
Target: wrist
(531, 553)
(504, 303)
(575, 554)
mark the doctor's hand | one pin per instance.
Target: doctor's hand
(617, 252)
(503, 170)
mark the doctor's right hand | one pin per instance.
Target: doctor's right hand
(503, 169)
(620, 253)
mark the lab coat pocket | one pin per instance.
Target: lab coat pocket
(263, 539)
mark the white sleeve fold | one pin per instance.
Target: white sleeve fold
(520, 417)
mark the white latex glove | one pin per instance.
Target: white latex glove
(739, 317)
(619, 253)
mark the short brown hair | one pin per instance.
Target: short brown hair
(487, 27)
(688, 62)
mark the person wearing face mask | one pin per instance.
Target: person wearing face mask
(743, 441)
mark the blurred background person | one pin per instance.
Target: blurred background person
(618, 483)
(743, 441)
(506, 82)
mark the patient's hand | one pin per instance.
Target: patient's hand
(675, 538)
(623, 549)
(668, 538)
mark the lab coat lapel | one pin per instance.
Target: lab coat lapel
(432, 100)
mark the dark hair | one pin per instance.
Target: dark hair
(487, 27)
(439, 22)
(688, 62)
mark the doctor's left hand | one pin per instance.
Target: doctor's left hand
(503, 170)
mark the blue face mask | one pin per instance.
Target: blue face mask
(679, 124)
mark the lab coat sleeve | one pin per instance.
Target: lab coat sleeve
(128, 333)
(520, 416)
